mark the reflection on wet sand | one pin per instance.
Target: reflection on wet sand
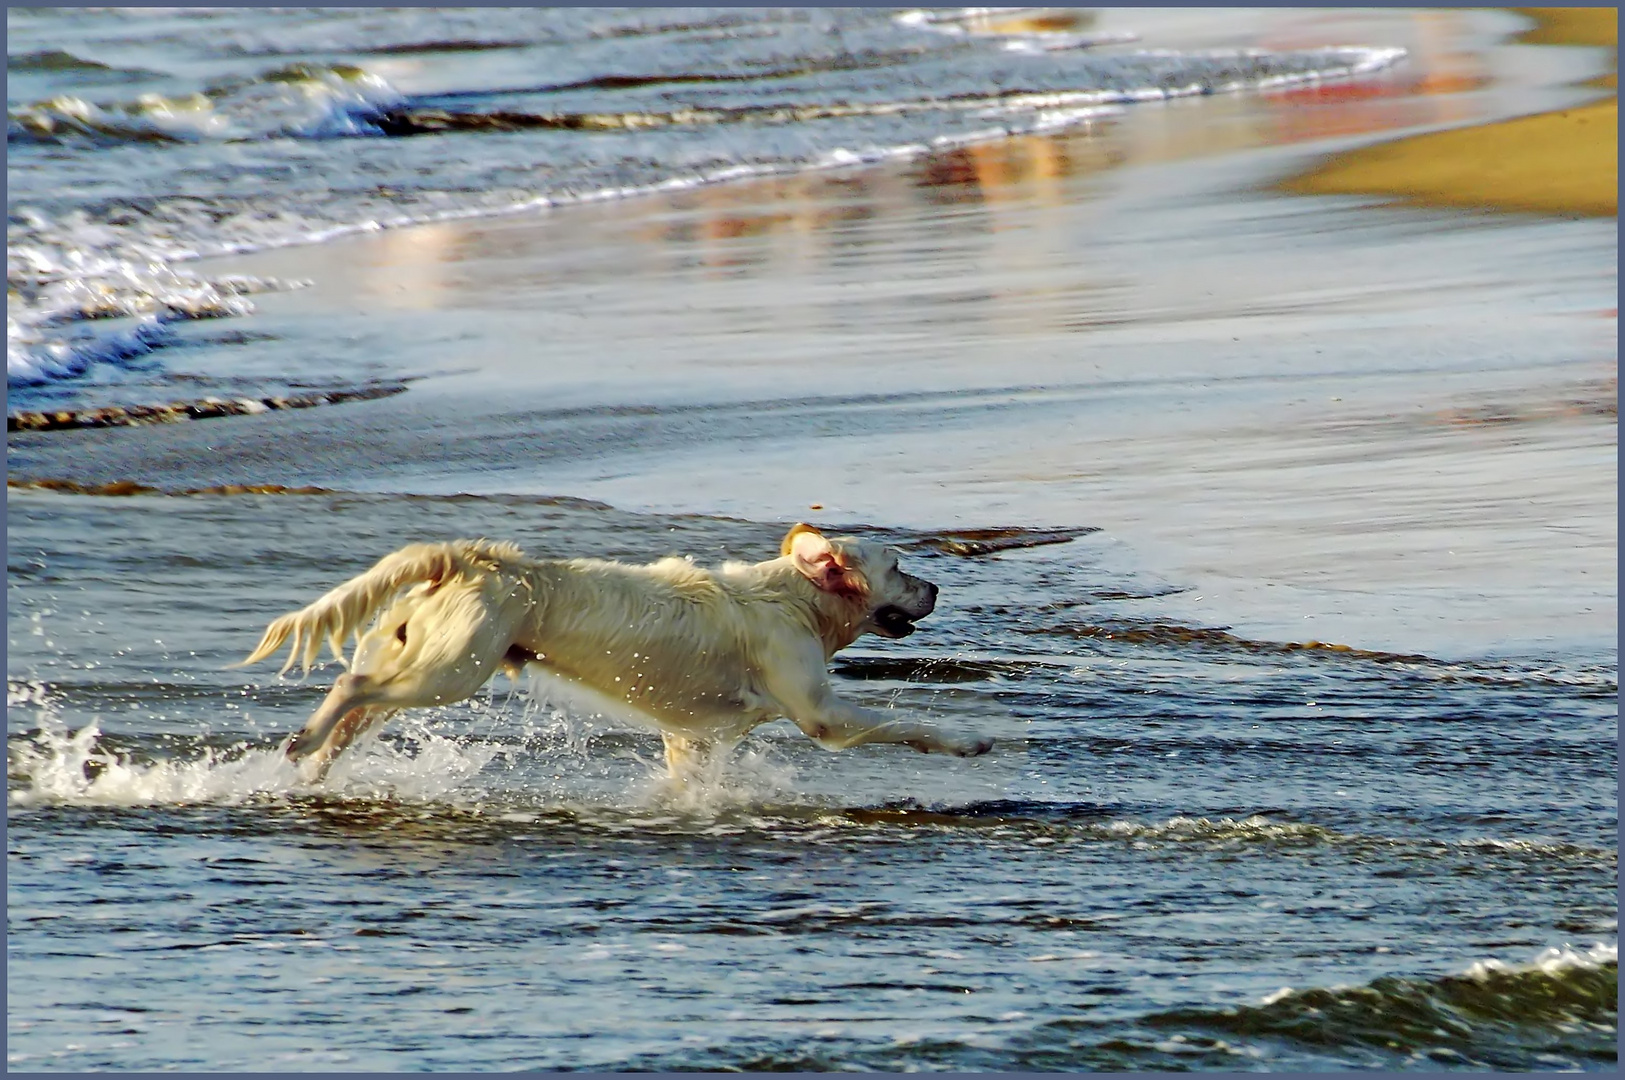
(1433, 86)
(1428, 89)
(1587, 401)
(796, 222)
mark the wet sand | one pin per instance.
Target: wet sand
(1563, 162)
(1327, 419)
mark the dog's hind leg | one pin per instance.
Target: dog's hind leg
(338, 721)
(350, 692)
(350, 728)
(434, 649)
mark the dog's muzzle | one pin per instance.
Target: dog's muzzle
(894, 622)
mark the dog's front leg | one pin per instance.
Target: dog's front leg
(684, 756)
(836, 724)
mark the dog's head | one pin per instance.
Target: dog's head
(864, 574)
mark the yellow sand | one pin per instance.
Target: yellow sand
(1571, 26)
(1561, 162)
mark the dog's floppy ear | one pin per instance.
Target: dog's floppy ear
(796, 530)
(818, 561)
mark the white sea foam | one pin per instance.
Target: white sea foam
(1553, 961)
(955, 21)
(306, 101)
(1017, 36)
(1255, 829)
(76, 269)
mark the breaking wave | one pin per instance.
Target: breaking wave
(1558, 1010)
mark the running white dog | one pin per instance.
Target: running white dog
(707, 655)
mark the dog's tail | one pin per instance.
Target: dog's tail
(348, 609)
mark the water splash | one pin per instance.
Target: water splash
(742, 779)
(57, 767)
(562, 758)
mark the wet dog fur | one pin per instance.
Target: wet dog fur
(705, 654)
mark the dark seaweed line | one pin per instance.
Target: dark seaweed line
(176, 411)
(1218, 638)
(118, 488)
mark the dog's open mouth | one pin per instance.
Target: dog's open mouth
(893, 621)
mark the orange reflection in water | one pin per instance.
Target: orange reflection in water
(786, 221)
(1028, 169)
(1425, 89)
(801, 218)
(994, 21)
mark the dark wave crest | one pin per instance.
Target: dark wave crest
(1559, 1011)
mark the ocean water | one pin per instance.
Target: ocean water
(1275, 540)
(1189, 849)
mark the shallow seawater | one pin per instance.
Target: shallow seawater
(1189, 849)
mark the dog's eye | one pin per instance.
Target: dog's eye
(400, 633)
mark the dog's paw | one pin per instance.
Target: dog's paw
(974, 748)
(299, 745)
